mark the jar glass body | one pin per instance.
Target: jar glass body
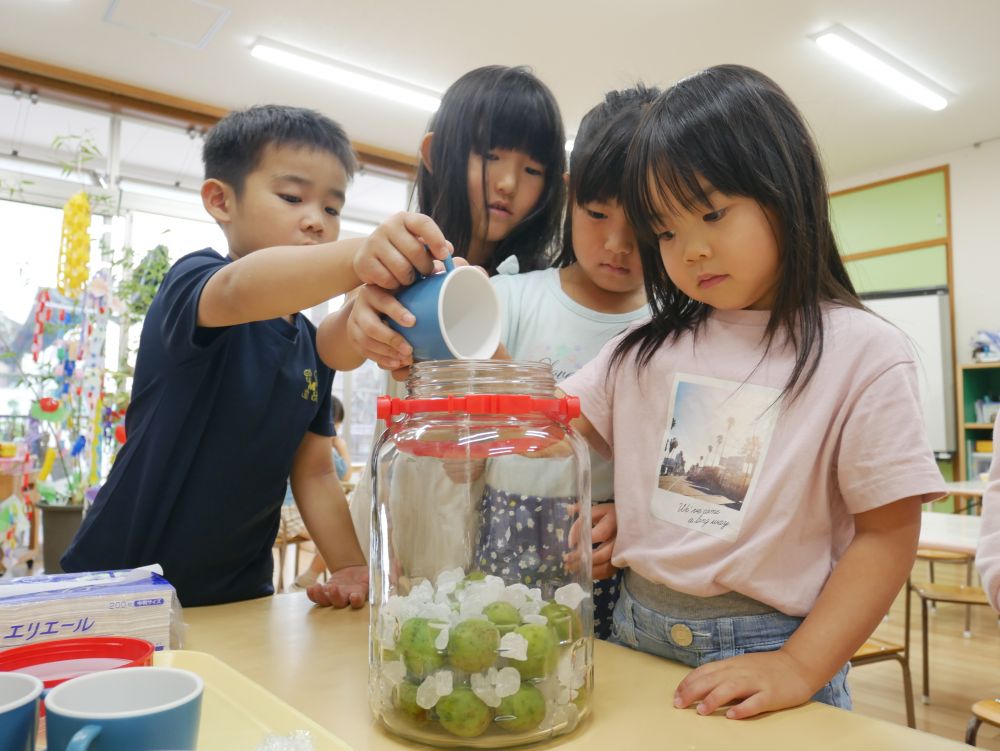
(481, 628)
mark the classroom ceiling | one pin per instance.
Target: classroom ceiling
(199, 50)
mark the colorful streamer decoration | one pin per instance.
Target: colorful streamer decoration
(50, 460)
(74, 249)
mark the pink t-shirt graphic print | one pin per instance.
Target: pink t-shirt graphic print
(714, 445)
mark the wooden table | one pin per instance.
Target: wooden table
(956, 533)
(316, 659)
(966, 488)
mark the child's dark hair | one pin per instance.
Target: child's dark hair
(598, 159)
(234, 145)
(338, 409)
(494, 107)
(735, 128)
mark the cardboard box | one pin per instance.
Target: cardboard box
(138, 602)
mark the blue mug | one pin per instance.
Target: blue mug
(139, 709)
(457, 315)
(19, 699)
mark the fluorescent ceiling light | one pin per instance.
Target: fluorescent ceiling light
(160, 191)
(345, 74)
(876, 63)
(36, 168)
(361, 228)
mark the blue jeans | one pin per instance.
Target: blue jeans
(638, 627)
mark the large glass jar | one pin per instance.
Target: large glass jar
(481, 628)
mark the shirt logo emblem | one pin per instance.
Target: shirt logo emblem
(311, 391)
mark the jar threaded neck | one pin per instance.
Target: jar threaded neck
(438, 378)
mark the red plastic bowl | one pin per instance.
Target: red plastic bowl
(58, 660)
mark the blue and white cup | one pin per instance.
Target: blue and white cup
(457, 315)
(19, 699)
(139, 709)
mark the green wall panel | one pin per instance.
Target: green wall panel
(897, 213)
(927, 267)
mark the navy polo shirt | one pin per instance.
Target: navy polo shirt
(216, 417)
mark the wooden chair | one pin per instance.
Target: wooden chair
(281, 542)
(292, 531)
(961, 594)
(988, 711)
(945, 556)
(878, 650)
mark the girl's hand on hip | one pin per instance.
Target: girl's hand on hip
(751, 683)
(402, 245)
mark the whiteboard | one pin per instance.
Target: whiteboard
(924, 316)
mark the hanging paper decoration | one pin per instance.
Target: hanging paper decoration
(93, 330)
(74, 249)
(49, 409)
(50, 460)
(38, 335)
(78, 445)
(14, 526)
(16, 462)
(95, 442)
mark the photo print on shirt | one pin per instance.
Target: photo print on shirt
(714, 444)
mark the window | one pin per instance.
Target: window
(147, 196)
(181, 236)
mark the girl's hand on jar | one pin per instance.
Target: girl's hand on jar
(604, 530)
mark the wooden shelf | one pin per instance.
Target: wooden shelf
(980, 365)
(973, 381)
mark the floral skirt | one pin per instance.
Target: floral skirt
(523, 539)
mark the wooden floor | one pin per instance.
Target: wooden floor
(963, 671)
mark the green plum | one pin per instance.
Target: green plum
(542, 646)
(406, 702)
(463, 713)
(416, 643)
(564, 620)
(521, 711)
(473, 645)
(504, 615)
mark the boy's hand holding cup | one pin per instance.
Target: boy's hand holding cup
(451, 314)
(402, 247)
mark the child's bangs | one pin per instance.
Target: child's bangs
(589, 173)
(522, 120)
(669, 186)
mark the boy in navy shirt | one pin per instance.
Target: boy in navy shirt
(230, 396)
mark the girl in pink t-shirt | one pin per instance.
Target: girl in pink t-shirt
(770, 457)
(988, 550)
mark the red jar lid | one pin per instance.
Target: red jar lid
(58, 660)
(562, 409)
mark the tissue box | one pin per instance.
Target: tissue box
(137, 602)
